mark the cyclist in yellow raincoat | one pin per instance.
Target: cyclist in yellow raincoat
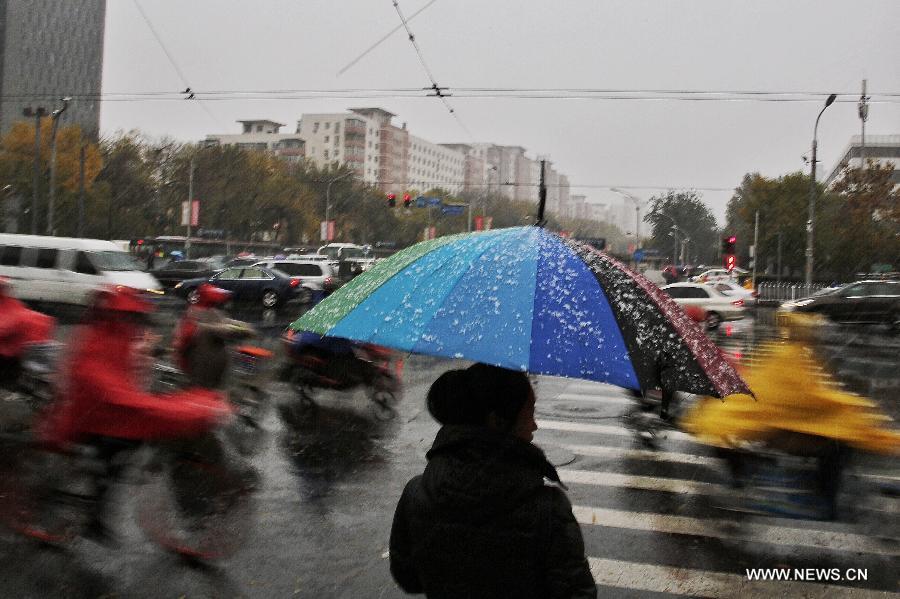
(797, 403)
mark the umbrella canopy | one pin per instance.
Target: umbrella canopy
(526, 299)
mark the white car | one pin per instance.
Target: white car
(719, 274)
(732, 289)
(717, 305)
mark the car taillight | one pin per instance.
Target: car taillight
(295, 282)
(755, 294)
(327, 281)
(738, 303)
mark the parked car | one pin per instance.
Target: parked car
(249, 284)
(67, 270)
(175, 272)
(874, 301)
(314, 275)
(717, 305)
(732, 289)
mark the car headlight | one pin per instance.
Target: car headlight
(179, 285)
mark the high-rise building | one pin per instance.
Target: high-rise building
(51, 49)
(346, 138)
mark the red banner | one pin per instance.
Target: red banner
(479, 223)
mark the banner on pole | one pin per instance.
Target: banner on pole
(488, 222)
(185, 213)
(479, 223)
(195, 213)
(326, 230)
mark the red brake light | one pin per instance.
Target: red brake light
(327, 281)
(755, 294)
(295, 282)
(738, 303)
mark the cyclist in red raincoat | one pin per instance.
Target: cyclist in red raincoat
(101, 403)
(19, 326)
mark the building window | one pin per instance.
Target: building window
(337, 128)
(327, 125)
(337, 140)
(258, 128)
(326, 154)
(326, 139)
(315, 127)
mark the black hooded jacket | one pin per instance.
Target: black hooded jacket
(487, 519)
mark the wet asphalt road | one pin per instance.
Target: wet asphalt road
(652, 520)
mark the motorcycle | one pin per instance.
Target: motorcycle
(313, 367)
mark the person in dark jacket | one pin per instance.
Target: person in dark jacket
(488, 517)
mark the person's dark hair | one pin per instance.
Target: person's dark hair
(470, 396)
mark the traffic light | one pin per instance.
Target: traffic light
(407, 200)
(730, 262)
(728, 244)
(392, 200)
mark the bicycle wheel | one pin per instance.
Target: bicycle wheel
(44, 498)
(196, 509)
(245, 432)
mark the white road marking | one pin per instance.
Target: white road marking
(730, 529)
(645, 483)
(605, 429)
(591, 398)
(641, 454)
(704, 583)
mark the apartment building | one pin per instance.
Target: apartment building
(263, 135)
(880, 148)
(346, 138)
(436, 165)
(392, 147)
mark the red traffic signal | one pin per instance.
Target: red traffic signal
(407, 200)
(728, 244)
(392, 200)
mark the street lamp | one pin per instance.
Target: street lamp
(328, 201)
(38, 113)
(810, 224)
(51, 196)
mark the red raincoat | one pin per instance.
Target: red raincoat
(20, 326)
(101, 395)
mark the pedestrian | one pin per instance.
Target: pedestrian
(488, 517)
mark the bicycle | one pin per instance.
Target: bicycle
(192, 501)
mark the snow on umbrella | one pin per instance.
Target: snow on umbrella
(526, 299)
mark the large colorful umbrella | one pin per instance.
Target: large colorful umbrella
(526, 299)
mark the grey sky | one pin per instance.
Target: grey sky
(755, 45)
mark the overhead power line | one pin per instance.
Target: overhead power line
(468, 93)
(187, 86)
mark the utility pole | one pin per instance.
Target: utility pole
(542, 198)
(37, 114)
(190, 210)
(779, 256)
(51, 196)
(755, 247)
(81, 190)
(863, 116)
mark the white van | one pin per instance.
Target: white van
(67, 270)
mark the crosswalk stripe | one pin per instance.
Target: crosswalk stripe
(649, 455)
(703, 583)
(605, 429)
(592, 398)
(645, 483)
(730, 529)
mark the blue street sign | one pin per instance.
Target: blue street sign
(638, 255)
(453, 210)
(420, 201)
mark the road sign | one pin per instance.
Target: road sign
(453, 209)
(638, 255)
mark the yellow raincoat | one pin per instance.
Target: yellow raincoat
(793, 395)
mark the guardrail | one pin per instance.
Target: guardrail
(785, 292)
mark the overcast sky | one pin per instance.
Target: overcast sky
(709, 45)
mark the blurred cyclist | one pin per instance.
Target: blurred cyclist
(200, 340)
(19, 326)
(102, 404)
